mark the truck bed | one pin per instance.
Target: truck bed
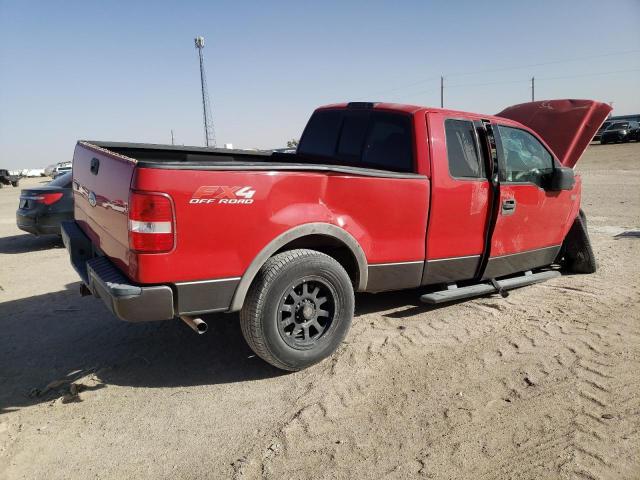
(174, 157)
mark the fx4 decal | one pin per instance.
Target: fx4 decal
(222, 194)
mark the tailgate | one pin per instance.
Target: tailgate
(101, 182)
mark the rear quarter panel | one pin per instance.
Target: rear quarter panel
(386, 216)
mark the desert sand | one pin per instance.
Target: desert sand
(542, 384)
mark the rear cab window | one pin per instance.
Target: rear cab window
(462, 150)
(360, 138)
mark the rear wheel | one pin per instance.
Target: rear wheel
(578, 255)
(298, 310)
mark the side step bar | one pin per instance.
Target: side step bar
(480, 289)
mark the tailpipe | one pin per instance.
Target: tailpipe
(196, 324)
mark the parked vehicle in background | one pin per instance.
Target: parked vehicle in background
(598, 134)
(621, 132)
(33, 172)
(61, 172)
(42, 209)
(7, 178)
(377, 197)
(60, 169)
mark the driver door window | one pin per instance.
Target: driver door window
(525, 158)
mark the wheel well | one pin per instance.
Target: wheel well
(329, 246)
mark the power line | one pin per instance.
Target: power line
(542, 78)
(419, 82)
(553, 62)
(531, 81)
(501, 69)
(591, 74)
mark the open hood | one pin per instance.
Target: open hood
(567, 126)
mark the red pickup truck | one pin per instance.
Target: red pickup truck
(377, 197)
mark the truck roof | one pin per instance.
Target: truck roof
(566, 126)
(409, 109)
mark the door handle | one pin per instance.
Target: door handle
(95, 166)
(508, 206)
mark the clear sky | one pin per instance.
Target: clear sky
(128, 71)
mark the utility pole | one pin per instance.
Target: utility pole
(172, 142)
(533, 89)
(209, 134)
(441, 91)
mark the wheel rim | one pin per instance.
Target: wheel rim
(306, 312)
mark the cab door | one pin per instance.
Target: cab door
(531, 221)
(459, 209)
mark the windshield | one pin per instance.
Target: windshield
(618, 126)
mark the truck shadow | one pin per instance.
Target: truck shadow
(370, 303)
(29, 243)
(58, 337)
(52, 340)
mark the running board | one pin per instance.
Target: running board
(480, 289)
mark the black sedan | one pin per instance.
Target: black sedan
(621, 132)
(598, 134)
(43, 208)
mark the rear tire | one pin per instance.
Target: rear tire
(298, 309)
(578, 254)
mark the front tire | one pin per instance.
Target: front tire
(298, 310)
(578, 254)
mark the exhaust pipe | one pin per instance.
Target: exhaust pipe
(196, 324)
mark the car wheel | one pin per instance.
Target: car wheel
(603, 142)
(15, 183)
(298, 309)
(578, 254)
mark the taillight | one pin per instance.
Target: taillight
(47, 198)
(151, 228)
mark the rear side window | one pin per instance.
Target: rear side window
(368, 139)
(462, 149)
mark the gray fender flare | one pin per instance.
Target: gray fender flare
(281, 240)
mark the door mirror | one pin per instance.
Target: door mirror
(562, 178)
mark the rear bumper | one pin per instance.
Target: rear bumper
(40, 224)
(126, 300)
(133, 302)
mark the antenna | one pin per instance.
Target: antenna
(209, 133)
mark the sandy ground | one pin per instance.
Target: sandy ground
(542, 384)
